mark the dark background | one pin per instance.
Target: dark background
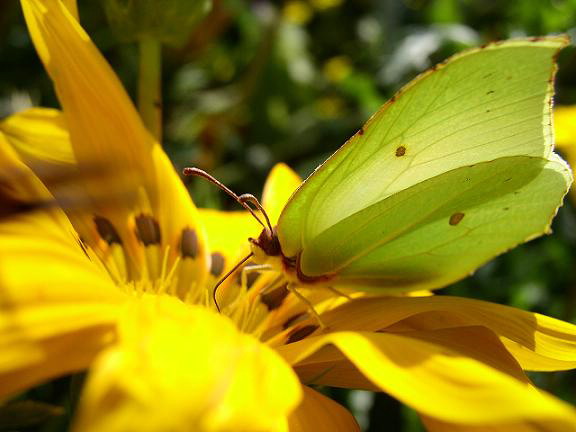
(259, 82)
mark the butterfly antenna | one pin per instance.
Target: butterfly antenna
(243, 200)
(226, 276)
(253, 200)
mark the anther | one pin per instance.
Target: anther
(148, 230)
(189, 243)
(217, 264)
(273, 299)
(107, 231)
(301, 333)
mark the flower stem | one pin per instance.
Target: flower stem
(149, 85)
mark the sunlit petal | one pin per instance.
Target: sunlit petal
(318, 413)
(51, 293)
(280, 184)
(435, 425)
(103, 124)
(40, 135)
(536, 341)
(202, 385)
(436, 379)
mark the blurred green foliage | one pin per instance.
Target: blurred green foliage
(262, 81)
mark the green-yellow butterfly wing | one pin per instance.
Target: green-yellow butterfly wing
(455, 169)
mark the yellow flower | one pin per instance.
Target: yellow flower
(120, 283)
(565, 131)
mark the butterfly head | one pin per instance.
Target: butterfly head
(266, 246)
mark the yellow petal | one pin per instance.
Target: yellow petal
(181, 367)
(39, 135)
(434, 425)
(279, 186)
(330, 368)
(106, 131)
(41, 138)
(51, 293)
(565, 134)
(177, 214)
(565, 128)
(103, 123)
(536, 341)
(438, 381)
(72, 7)
(228, 233)
(318, 413)
(57, 309)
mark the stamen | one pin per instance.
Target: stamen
(189, 243)
(301, 333)
(107, 231)
(274, 298)
(217, 264)
(148, 230)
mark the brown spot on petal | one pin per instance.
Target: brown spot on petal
(273, 299)
(217, 264)
(107, 231)
(456, 218)
(189, 243)
(147, 230)
(400, 151)
(301, 333)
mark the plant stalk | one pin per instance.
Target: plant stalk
(150, 85)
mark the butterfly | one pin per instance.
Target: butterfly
(456, 168)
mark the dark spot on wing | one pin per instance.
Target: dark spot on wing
(393, 99)
(294, 319)
(189, 243)
(147, 230)
(107, 231)
(217, 264)
(487, 75)
(400, 151)
(273, 299)
(361, 131)
(489, 92)
(301, 333)
(487, 110)
(456, 218)
(506, 208)
(507, 180)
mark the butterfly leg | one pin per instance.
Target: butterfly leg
(292, 288)
(246, 270)
(338, 293)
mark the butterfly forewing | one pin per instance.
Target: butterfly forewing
(484, 105)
